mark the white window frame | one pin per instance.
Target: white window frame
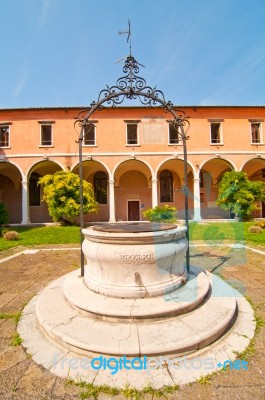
(132, 122)
(6, 125)
(95, 135)
(217, 121)
(46, 123)
(256, 122)
(179, 143)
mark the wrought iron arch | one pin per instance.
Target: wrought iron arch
(133, 87)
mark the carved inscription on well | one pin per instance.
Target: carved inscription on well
(136, 258)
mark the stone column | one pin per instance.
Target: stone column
(154, 193)
(111, 201)
(25, 203)
(197, 200)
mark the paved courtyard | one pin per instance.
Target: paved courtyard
(23, 273)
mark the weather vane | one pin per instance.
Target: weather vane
(129, 35)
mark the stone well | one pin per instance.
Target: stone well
(136, 299)
(135, 260)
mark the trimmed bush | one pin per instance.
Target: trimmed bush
(255, 229)
(11, 235)
(261, 224)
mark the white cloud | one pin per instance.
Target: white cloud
(21, 82)
(43, 13)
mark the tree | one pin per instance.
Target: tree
(237, 193)
(61, 193)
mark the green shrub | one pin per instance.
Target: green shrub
(161, 214)
(3, 214)
(11, 235)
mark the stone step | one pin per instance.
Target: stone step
(179, 301)
(180, 334)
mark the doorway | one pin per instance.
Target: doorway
(133, 210)
(263, 210)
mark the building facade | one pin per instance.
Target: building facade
(132, 156)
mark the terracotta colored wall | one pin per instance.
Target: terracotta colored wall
(110, 149)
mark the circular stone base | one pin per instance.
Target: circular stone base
(69, 338)
(179, 301)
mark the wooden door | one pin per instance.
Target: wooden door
(133, 210)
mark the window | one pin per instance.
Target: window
(46, 135)
(202, 179)
(255, 132)
(216, 133)
(34, 189)
(166, 187)
(90, 135)
(173, 133)
(132, 133)
(263, 173)
(4, 135)
(100, 187)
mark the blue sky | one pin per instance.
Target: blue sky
(198, 52)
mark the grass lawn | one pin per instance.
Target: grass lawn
(229, 231)
(42, 235)
(234, 232)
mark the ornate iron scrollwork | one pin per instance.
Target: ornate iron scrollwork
(131, 86)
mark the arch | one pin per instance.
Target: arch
(211, 171)
(189, 164)
(255, 170)
(90, 168)
(117, 166)
(38, 210)
(133, 188)
(90, 160)
(13, 164)
(257, 163)
(12, 171)
(44, 165)
(175, 166)
(231, 163)
(11, 178)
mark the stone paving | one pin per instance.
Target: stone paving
(25, 274)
